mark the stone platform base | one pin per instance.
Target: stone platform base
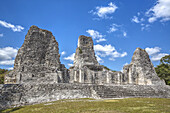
(24, 94)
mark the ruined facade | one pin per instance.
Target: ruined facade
(141, 70)
(38, 75)
(86, 68)
(38, 61)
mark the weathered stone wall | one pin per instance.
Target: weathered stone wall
(86, 68)
(38, 75)
(85, 53)
(38, 60)
(141, 70)
(23, 94)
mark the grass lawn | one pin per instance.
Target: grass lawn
(129, 105)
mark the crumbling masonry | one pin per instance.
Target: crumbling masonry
(38, 75)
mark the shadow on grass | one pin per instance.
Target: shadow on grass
(10, 110)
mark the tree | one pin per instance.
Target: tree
(3, 72)
(163, 70)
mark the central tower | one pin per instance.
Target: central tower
(85, 53)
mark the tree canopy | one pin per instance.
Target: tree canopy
(163, 69)
(2, 74)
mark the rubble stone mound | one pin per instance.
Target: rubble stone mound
(38, 60)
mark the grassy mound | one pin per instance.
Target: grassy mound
(130, 105)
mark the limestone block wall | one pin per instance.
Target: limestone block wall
(24, 94)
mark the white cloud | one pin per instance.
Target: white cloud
(113, 28)
(99, 59)
(70, 65)
(15, 28)
(124, 34)
(7, 62)
(135, 19)
(10, 68)
(152, 19)
(63, 53)
(1, 35)
(160, 11)
(157, 57)
(155, 53)
(108, 50)
(7, 55)
(71, 57)
(145, 27)
(103, 12)
(152, 51)
(123, 66)
(96, 35)
(101, 40)
(112, 59)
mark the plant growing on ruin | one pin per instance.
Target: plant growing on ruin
(80, 51)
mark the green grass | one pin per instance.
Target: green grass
(130, 105)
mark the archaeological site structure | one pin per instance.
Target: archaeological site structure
(38, 75)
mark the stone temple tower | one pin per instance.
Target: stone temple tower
(141, 70)
(85, 53)
(38, 60)
(86, 68)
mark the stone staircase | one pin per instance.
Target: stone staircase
(126, 91)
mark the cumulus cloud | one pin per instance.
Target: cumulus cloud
(152, 51)
(7, 62)
(155, 53)
(99, 59)
(124, 34)
(108, 51)
(104, 11)
(159, 11)
(71, 57)
(7, 55)
(1, 35)
(63, 53)
(70, 65)
(145, 27)
(113, 28)
(15, 28)
(96, 35)
(141, 22)
(137, 20)
(157, 57)
(10, 68)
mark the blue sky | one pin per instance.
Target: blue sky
(117, 27)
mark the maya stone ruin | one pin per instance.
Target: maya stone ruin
(38, 75)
